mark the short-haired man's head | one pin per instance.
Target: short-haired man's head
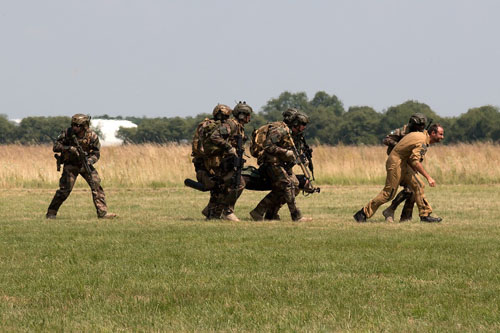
(436, 133)
(434, 128)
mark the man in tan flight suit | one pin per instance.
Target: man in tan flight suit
(403, 163)
(417, 122)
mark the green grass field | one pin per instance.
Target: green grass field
(161, 267)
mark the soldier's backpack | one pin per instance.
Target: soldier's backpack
(259, 136)
(201, 134)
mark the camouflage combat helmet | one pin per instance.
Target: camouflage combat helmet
(287, 115)
(81, 120)
(221, 111)
(299, 118)
(242, 110)
(417, 121)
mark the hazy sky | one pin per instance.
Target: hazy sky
(177, 58)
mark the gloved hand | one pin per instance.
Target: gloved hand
(232, 151)
(72, 150)
(289, 154)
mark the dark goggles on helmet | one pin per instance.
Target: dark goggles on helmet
(76, 125)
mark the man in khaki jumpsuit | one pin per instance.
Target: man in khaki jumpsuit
(417, 122)
(403, 163)
(65, 144)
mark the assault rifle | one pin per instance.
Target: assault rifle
(299, 160)
(84, 161)
(308, 154)
(429, 124)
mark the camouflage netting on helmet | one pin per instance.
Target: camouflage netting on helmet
(80, 119)
(299, 118)
(288, 114)
(221, 111)
(418, 119)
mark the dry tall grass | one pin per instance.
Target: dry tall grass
(167, 165)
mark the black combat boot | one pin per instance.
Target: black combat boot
(257, 215)
(360, 216)
(272, 214)
(430, 219)
(51, 214)
(388, 214)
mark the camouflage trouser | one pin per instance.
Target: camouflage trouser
(224, 195)
(285, 187)
(229, 193)
(204, 177)
(66, 183)
(408, 197)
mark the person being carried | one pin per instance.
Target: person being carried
(404, 161)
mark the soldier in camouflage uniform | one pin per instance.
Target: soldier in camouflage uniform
(417, 122)
(300, 144)
(277, 162)
(224, 141)
(64, 144)
(206, 159)
(404, 161)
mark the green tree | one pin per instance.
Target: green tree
(326, 103)
(478, 124)
(273, 109)
(7, 130)
(360, 125)
(397, 116)
(36, 130)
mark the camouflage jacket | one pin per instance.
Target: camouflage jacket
(89, 143)
(392, 139)
(224, 137)
(277, 143)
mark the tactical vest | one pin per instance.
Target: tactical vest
(259, 137)
(85, 143)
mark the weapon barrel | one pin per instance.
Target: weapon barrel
(195, 185)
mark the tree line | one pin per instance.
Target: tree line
(329, 123)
